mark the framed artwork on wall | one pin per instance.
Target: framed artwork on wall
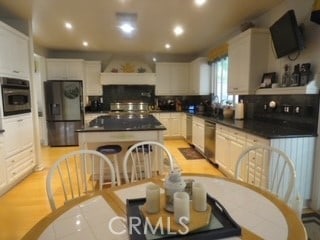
(268, 79)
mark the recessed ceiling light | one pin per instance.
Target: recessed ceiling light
(127, 28)
(85, 43)
(178, 30)
(200, 2)
(154, 59)
(167, 46)
(68, 25)
(127, 22)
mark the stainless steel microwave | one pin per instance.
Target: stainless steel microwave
(15, 96)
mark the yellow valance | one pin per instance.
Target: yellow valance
(315, 14)
(218, 52)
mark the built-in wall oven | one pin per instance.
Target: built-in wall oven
(15, 96)
(210, 141)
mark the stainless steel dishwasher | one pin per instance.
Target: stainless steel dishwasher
(210, 141)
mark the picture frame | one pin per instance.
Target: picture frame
(268, 79)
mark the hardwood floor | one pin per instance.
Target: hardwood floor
(25, 204)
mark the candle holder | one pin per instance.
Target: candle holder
(197, 219)
(152, 198)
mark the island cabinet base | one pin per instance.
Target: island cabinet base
(93, 139)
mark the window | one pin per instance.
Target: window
(219, 81)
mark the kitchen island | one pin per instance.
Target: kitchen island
(123, 129)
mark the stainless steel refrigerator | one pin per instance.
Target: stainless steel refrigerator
(64, 111)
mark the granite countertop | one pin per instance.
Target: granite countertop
(263, 128)
(123, 122)
(266, 129)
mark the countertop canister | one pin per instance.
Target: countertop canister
(173, 183)
(239, 109)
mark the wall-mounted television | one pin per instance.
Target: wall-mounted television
(286, 35)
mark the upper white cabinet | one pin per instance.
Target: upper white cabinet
(14, 57)
(248, 60)
(65, 69)
(199, 77)
(172, 78)
(93, 85)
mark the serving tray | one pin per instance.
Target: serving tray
(221, 224)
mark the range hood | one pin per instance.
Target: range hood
(120, 72)
(107, 78)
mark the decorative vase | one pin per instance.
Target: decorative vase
(173, 183)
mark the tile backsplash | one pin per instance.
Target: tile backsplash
(300, 110)
(128, 93)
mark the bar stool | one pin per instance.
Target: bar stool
(112, 150)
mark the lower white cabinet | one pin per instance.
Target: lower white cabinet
(198, 133)
(172, 121)
(230, 143)
(19, 165)
(18, 134)
(184, 125)
(3, 176)
(17, 150)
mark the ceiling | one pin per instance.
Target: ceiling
(95, 21)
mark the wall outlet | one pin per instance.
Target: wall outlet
(297, 109)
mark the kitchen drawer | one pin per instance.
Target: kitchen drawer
(19, 162)
(255, 140)
(237, 135)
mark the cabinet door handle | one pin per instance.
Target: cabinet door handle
(15, 71)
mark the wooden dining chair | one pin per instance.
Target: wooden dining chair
(76, 174)
(141, 158)
(268, 168)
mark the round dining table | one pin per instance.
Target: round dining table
(102, 215)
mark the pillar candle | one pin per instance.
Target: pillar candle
(181, 207)
(152, 198)
(199, 197)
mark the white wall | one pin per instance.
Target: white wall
(311, 33)
(311, 54)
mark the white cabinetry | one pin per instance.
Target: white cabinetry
(19, 159)
(93, 85)
(14, 57)
(198, 133)
(248, 60)
(229, 145)
(172, 121)
(19, 164)
(65, 69)
(199, 77)
(3, 177)
(184, 125)
(18, 134)
(172, 78)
